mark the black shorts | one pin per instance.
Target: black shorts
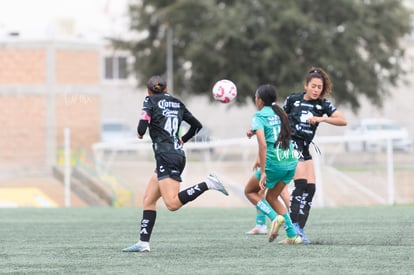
(302, 147)
(169, 165)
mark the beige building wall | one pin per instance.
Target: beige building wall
(22, 66)
(46, 86)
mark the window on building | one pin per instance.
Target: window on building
(116, 67)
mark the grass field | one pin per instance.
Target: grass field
(353, 240)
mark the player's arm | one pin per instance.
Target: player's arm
(143, 124)
(261, 140)
(336, 119)
(142, 128)
(195, 126)
(250, 133)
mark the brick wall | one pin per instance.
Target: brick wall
(22, 66)
(22, 136)
(80, 113)
(77, 66)
(45, 88)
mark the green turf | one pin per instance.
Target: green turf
(353, 240)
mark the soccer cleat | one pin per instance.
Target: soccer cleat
(274, 230)
(214, 183)
(294, 240)
(258, 230)
(138, 247)
(305, 239)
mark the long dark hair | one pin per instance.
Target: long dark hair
(267, 93)
(315, 72)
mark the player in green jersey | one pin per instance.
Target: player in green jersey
(276, 162)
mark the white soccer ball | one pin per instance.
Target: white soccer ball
(224, 91)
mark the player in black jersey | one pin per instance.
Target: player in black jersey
(163, 114)
(305, 112)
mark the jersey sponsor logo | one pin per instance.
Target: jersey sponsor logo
(319, 107)
(170, 113)
(305, 104)
(165, 104)
(296, 103)
(287, 154)
(305, 116)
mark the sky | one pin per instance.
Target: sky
(44, 18)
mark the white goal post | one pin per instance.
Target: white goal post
(215, 152)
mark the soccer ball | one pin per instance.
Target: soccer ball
(224, 91)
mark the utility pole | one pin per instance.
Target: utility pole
(170, 70)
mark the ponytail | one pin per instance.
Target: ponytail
(283, 140)
(268, 94)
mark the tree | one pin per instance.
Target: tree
(272, 41)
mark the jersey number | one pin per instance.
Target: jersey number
(171, 126)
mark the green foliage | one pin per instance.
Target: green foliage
(350, 240)
(268, 41)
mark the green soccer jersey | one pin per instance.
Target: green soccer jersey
(266, 119)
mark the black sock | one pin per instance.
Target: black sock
(307, 203)
(296, 198)
(191, 193)
(147, 223)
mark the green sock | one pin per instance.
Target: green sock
(290, 230)
(265, 208)
(260, 218)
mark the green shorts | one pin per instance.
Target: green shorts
(273, 176)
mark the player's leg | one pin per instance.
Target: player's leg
(285, 196)
(252, 193)
(296, 197)
(169, 181)
(307, 199)
(260, 226)
(149, 215)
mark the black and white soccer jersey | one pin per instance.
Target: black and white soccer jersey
(300, 110)
(164, 114)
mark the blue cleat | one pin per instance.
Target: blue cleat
(305, 239)
(301, 232)
(138, 247)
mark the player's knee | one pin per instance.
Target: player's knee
(172, 204)
(148, 203)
